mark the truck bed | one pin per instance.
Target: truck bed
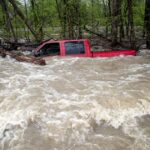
(112, 52)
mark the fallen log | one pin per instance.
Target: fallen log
(22, 58)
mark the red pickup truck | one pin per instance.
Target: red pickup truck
(79, 48)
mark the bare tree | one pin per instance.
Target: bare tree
(26, 13)
(131, 23)
(9, 24)
(24, 19)
(116, 9)
(70, 19)
(147, 22)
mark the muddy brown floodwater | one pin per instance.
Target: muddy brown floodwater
(76, 104)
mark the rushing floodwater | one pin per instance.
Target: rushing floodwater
(75, 104)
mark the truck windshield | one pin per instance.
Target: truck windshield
(76, 47)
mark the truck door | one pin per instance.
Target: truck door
(48, 49)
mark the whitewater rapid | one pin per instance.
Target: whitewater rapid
(75, 104)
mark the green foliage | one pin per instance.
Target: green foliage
(45, 14)
(139, 13)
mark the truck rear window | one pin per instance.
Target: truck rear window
(76, 47)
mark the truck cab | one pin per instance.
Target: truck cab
(80, 48)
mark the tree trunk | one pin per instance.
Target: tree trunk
(147, 22)
(131, 23)
(59, 11)
(26, 13)
(24, 19)
(106, 14)
(8, 19)
(116, 6)
(121, 22)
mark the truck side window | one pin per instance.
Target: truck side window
(50, 49)
(76, 47)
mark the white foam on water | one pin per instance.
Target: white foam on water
(75, 103)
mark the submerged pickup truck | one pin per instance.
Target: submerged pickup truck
(79, 48)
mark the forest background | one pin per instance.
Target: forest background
(116, 21)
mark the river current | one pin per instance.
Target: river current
(75, 104)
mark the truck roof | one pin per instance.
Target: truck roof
(59, 41)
